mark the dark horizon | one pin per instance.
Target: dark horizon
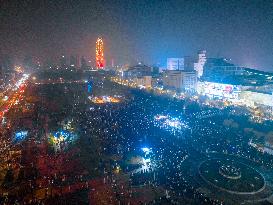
(147, 31)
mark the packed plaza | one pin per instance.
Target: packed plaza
(86, 139)
(144, 102)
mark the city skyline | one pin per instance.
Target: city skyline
(148, 31)
(155, 102)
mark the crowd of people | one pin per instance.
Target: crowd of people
(110, 135)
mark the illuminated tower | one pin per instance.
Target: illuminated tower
(99, 54)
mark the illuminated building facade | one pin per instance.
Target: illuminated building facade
(199, 65)
(219, 90)
(99, 54)
(180, 80)
(175, 64)
(172, 79)
(145, 81)
(221, 70)
(189, 81)
(138, 71)
(188, 63)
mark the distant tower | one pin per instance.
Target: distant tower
(99, 54)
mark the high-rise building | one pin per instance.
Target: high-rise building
(138, 70)
(180, 80)
(172, 79)
(100, 63)
(188, 63)
(199, 64)
(189, 81)
(175, 64)
(63, 62)
(145, 81)
(220, 70)
(83, 63)
(74, 61)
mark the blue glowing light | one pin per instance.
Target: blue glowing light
(20, 136)
(61, 139)
(89, 86)
(146, 150)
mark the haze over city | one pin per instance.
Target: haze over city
(120, 102)
(236, 29)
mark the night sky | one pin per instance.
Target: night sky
(136, 30)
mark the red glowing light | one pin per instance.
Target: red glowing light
(99, 53)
